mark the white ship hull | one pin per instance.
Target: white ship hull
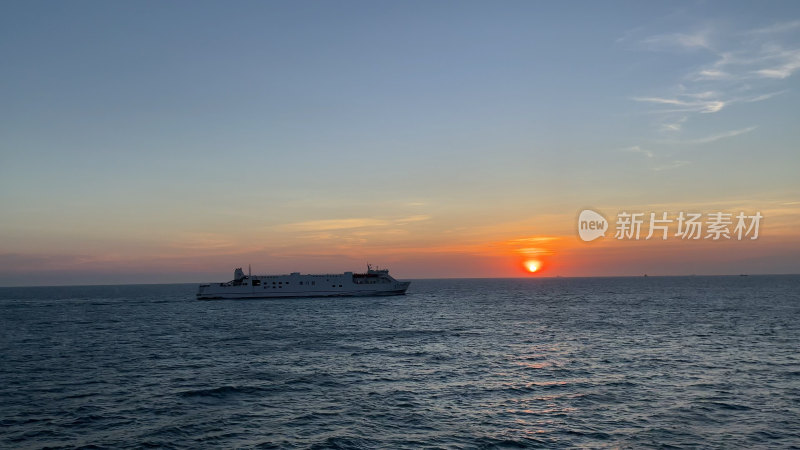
(348, 284)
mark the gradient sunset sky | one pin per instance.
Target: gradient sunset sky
(175, 141)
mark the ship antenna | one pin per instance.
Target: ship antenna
(249, 272)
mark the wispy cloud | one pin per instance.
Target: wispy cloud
(656, 163)
(334, 224)
(673, 125)
(701, 106)
(663, 101)
(531, 246)
(762, 97)
(711, 138)
(410, 219)
(780, 27)
(537, 239)
(759, 53)
(743, 67)
(695, 40)
(701, 102)
(782, 64)
(350, 224)
(711, 74)
(638, 149)
(671, 165)
(725, 135)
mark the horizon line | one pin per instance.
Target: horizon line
(553, 277)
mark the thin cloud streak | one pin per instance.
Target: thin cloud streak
(637, 149)
(690, 41)
(711, 138)
(349, 224)
(710, 106)
(672, 165)
(673, 126)
(781, 27)
(334, 224)
(764, 96)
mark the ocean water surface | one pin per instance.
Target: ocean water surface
(604, 362)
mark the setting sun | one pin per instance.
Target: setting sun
(532, 265)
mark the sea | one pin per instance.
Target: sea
(644, 362)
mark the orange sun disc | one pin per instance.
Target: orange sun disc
(532, 266)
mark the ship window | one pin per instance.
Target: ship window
(256, 282)
(301, 283)
(340, 285)
(313, 282)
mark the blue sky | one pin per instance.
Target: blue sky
(135, 134)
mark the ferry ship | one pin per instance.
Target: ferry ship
(372, 282)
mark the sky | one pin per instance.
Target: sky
(155, 142)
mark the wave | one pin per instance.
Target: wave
(224, 391)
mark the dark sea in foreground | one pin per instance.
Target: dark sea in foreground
(603, 362)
